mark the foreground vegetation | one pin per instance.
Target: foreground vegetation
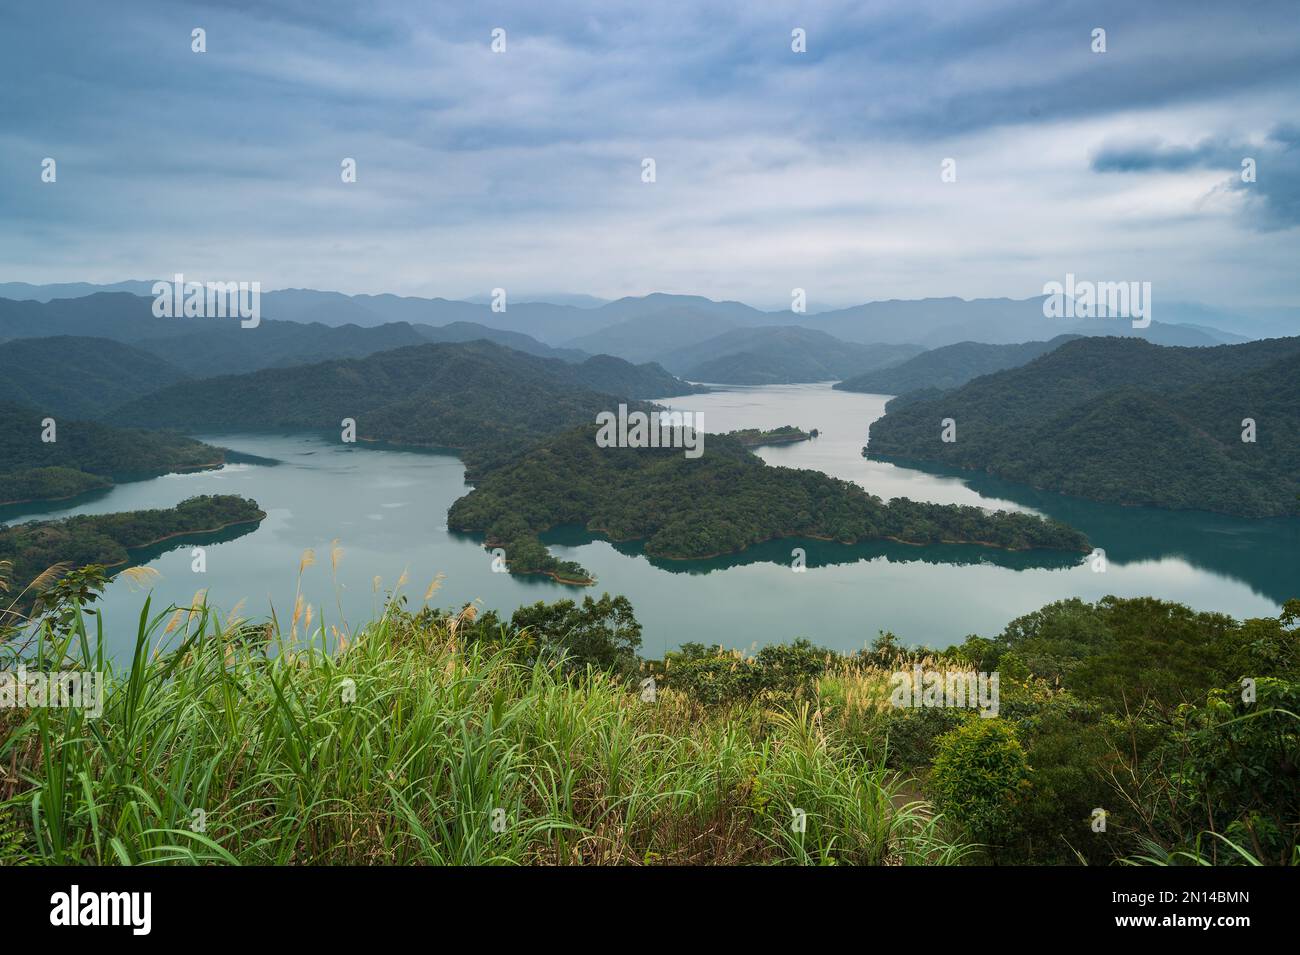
(460, 737)
(413, 741)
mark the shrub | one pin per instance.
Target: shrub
(980, 778)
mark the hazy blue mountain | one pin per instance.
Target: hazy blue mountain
(778, 354)
(1276, 322)
(640, 306)
(546, 298)
(934, 322)
(203, 347)
(931, 322)
(472, 331)
(949, 366)
(23, 291)
(646, 337)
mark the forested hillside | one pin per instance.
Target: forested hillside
(1125, 421)
(84, 455)
(481, 398)
(79, 377)
(948, 367)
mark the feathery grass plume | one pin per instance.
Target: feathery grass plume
(336, 555)
(139, 576)
(47, 577)
(308, 560)
(297, 615)
(306, 627)
(175, 620)
(6, 568)
(434, 586)
(198, 604)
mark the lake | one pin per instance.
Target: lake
(387, 510)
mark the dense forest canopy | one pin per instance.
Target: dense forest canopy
(84, 455)
(949, 367)
(483, 399)
(76, 377)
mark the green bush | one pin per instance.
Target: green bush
(716, 677)
(981, 777)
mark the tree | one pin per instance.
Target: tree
(603, 633)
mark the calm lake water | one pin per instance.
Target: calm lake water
(388, 508)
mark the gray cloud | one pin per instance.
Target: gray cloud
(1273, 198)
(775, 170)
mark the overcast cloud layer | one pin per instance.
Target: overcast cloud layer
(775, 169)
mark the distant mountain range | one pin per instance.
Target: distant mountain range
(779, 354)
(202, 347)
(681, 320)
(1124, 421)
(949, 366)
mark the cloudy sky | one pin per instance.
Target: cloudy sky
(774, 169)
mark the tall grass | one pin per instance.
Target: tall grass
(409, 745)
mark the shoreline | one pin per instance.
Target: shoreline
(202, 530)
(112, 484)
(775, 537)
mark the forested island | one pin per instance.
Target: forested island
(1123, 421)
(719, 503)
(786, 434)
(31, 548)
(84, 455)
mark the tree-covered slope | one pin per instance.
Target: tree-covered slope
(487, 400)
(720, 502)
(949, 367)
(84, 455)
(1124, 421)
(615, 376)
(78, 376)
